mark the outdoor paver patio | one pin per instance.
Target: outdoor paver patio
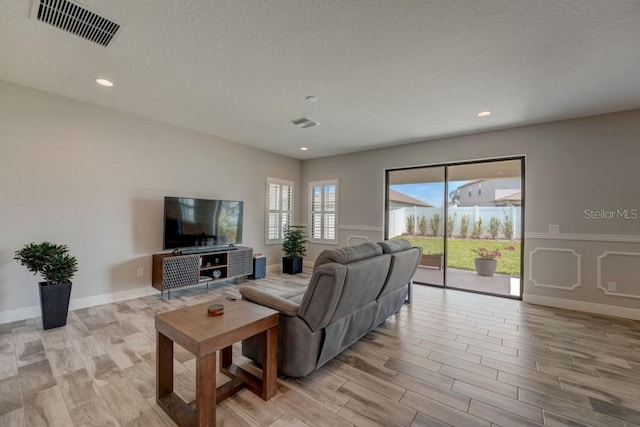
(499, 284)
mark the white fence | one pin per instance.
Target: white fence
(398, 219)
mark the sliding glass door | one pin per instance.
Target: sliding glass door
(416, 200)
(468, 219)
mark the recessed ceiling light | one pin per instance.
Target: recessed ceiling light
(484, 113)
(312, 98)
(104, 82)
(304, 148)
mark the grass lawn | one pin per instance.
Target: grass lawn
(461, 256)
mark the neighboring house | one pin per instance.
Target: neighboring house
(400, 200)
(490, 192)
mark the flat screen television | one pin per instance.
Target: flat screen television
(202, 223)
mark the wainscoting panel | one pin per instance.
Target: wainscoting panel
(621, 269)
(356, 234)
(556, 268)
(357, 240)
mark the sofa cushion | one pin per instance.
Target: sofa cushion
(349, 254)
(393, 246)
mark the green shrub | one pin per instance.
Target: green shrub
(507, 227)
(434, 224)
(451, 223)
(477, 229)
(494, 227)
(422, 225)
(464, 226)
(411, 224)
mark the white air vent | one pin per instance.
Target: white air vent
(303, 122)
(76, 20)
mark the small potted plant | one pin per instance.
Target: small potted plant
(56, 267)
(294, 246)
(486, 262)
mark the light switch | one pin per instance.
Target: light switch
(554, 228)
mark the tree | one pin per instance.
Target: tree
(454, 197)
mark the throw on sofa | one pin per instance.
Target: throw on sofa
(352, 290)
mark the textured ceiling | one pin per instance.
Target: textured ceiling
(385, 72)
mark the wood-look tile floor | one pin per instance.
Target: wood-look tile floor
(449, 359)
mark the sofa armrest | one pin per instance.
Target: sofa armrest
(270, 300)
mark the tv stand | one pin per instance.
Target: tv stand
(174, 271)
(205, 249)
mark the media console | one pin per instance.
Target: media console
(175, 271)
(196, 250)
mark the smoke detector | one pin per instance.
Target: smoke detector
(75, 19)
(303, 122)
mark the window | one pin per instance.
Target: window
(279, 209)
(323, 211)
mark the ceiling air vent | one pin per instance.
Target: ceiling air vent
(303, 122)
(76, 20)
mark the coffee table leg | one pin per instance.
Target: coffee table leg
(270, 363)
(206, 390)
(164, 365)
(226, 357)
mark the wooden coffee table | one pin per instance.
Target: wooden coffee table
(203, 335)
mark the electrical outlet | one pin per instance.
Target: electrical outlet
(140, 272)
(611, 286)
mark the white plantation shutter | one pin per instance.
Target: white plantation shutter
(323, 211)
(279, 209)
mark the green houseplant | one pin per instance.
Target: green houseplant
(56, 267)
(294, 246)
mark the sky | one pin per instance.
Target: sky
(428, 192)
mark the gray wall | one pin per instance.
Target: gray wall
(571, 166)
(95, 179)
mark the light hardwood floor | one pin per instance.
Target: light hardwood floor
(450, 358)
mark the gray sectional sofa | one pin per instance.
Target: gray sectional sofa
(352, 290)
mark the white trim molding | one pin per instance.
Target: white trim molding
(572, 286)
(589, 307)
(599, 273)
(584, 237)
(360, 228)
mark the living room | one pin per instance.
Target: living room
(82, 173)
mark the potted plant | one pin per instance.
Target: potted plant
(486, 261)
(56, 267)
(294, 246)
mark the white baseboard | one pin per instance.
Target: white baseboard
(589, 307)
(34, 311)
(274, 268)
(19, 314)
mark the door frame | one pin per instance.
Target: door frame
(446, 165)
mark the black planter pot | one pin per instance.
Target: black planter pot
(54, 301)
(291, 265)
